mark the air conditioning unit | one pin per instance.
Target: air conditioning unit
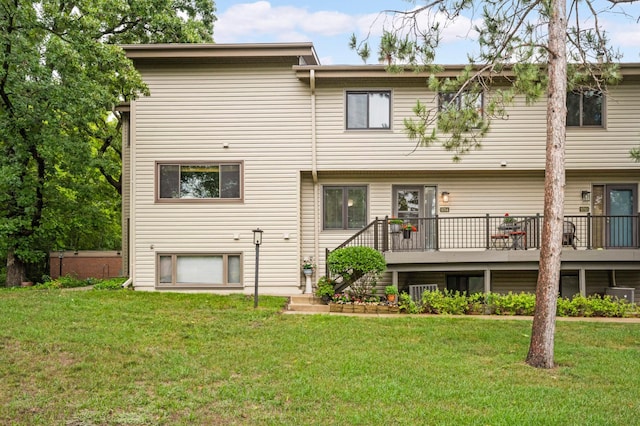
(626, 293)
(415, 291)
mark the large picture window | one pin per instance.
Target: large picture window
(369, 110)
(585, 109)
(205, 181)
(193, 270)
(345, 207)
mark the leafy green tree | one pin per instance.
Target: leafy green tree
(60, 73)
(540, 50)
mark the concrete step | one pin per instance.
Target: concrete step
(305, 299)
(309, 308)
(306, 303)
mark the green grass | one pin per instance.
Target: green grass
(134, 358)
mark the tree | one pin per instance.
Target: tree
(542, 51)
(60, 73)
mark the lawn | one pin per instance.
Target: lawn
(133, 358)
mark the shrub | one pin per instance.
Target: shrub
(566, 308)
(361, 265)
(445, 302)
(407, 305)
(325, 287)
(109, 284)
(355, 261)
(66, 281)
(512, 303)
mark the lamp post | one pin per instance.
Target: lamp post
(257, 240)
(60, 257)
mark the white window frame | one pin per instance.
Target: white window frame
(174, 284)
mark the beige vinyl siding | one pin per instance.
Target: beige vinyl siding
(262, 114)
(518, 141)
(126, 193)
(515, 281)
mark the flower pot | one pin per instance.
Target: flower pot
(395, 228)
(406, 234)
(307, 271)
(391, 297)
(26, 284)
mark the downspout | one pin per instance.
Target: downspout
(314, 167)
(127, 283)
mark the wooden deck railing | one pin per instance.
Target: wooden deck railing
(497, 233)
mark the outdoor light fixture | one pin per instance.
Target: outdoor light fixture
(257, 236)
(586, 196)
(257, 240)
(445, 197)
(60, 256)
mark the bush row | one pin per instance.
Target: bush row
(457, 303)
(69, 281)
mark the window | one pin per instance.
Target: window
(469, 284)
(584, 108)
(194, 270)
(345, 207)
(208, 181)
(369, 110)
(447, 100)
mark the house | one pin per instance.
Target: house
(238, 137)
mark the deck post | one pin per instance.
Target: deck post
(582, 282)
(487, 281)
(376, 242)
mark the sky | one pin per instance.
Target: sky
(328, 24)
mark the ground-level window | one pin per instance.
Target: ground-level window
(199, 181)
(569, 285)
(466, 283)
(345, 207)
(193, 270)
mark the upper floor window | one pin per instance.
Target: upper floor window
(451, 100)
(345, 207)
(585, 108)
(204, 181)
(369, 110)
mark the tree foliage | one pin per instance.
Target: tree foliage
(529, 48)
(61, 73)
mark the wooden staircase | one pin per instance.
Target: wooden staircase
(306, 303)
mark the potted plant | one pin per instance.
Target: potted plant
(308, 266)
(395, 225)
(392, 293)
(407, 229)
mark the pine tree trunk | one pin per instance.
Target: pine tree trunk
(544, 321)
(16, 270)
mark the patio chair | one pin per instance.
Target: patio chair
(569, 234)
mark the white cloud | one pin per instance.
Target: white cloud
(260, 20)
